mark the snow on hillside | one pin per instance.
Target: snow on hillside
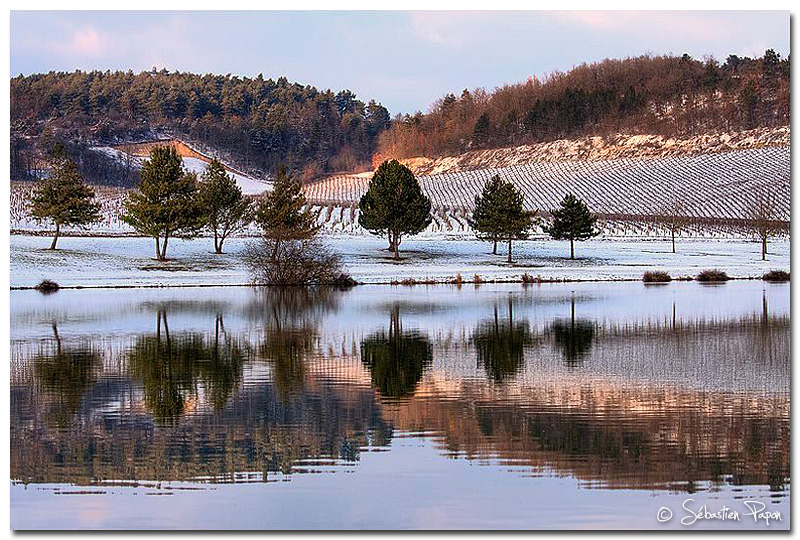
(248, 185)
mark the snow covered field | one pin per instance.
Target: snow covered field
(127, 261)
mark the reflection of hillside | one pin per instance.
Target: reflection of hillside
(618, 436)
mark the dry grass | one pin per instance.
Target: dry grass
(656, 276)
(712, 276)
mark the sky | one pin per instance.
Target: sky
(405, 60)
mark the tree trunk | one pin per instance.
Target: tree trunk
(673, 241)
(158, 248)
(217, 244)
(494, 251)
(509, 251)
(396, 250)
(55, 238)
(571, 248)
(764, 248)
(164, 249)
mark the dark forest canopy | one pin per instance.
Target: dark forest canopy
(666, 95)
(258, 123)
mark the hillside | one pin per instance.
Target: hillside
(669, 96)
(617, 146)
(257, 122)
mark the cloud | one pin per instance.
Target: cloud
(86, 41)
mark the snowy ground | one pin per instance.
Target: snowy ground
(126, 261)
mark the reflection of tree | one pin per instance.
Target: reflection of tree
(501, 345)
(65, 375)
(396, 361)
(291, 316)
(574, 337)
(170, 367)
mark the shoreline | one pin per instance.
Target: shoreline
(407, 283)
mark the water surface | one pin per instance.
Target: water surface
(553, 406)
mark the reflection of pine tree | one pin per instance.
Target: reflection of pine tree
(501, 345)
(171, 366)
(574, 337)
(396, 360)
(65, 375)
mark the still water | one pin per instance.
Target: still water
(590, 405)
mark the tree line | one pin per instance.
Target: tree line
(170, 202)
(259, 123)
(666, 95)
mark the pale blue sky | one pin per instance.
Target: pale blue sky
(406, 60)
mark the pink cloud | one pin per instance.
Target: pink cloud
(86, 41)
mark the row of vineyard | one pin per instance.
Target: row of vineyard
(710, 186)
(716, 191)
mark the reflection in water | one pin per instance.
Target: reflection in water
(501, 345)
(65, 375)
(290, 317)
(574, 337)
(170, 367)
(397, 359)
(295, 380)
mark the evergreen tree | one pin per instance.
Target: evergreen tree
(165, 204)
(513, 222)
(483, 220)
(500, 215)
(572, 221)
(482, 130)
(224, 207)
(284, 214)
(63, 197)
(394, 205)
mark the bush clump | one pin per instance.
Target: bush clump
(293, 262)
(656, 276)
(776, 276)
(710, 276)
(47, 286)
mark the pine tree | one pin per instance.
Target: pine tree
(572, 221)
(63, 197)
(165, 204)
(499, 214)
(483, 220)
(394, 205)
(284, 214)
(224, 207)
(512, 221)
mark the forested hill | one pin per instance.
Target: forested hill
(672, 96)
(256, 122)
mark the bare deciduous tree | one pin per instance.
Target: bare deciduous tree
(675, 218)
(764, 221)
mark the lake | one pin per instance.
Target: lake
(586, 405)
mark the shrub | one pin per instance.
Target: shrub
(656, 276)
(527, 278)
(458, 280)
(292, 262)
(344, 281)
(777, 276)
(477, 279)
(47, 286)
(712, 276)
